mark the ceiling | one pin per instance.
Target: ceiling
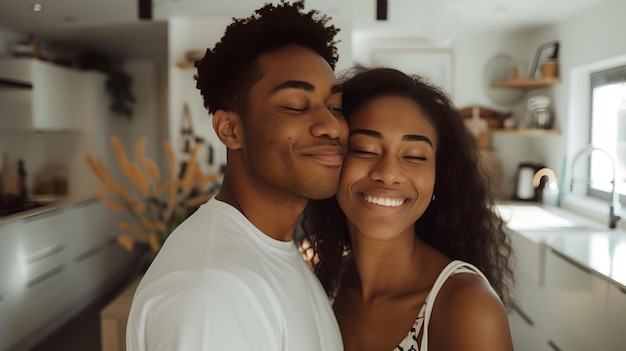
(113, 25)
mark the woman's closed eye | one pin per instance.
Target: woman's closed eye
(364, 152)
(416, 158)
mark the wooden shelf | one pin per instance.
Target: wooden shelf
(185, 64)
(526, 132)
(527, 83)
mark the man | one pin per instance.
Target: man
(230, 276)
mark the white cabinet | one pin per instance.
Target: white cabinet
(529, 273)
(576, 300)
(55, 101)
(86, 247)
(529, 317)
(616, 321)
(526, 336)
(43, 289)
(54, 264)
(9, 273)
(95, 255)
(562, 304)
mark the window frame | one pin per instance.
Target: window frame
(598, 79)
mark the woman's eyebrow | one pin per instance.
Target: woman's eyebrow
(367, 132)
(406, 137)
(415, 137)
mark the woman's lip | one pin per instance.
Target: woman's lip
(384, 200)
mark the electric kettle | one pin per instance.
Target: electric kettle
(525, 189)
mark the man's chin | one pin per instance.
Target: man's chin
(322, 195)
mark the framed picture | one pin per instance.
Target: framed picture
(435, 64)
(544, 52)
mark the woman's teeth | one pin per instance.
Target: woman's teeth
(384, 201)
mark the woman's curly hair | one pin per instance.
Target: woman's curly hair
(461, 222)
(226, 73)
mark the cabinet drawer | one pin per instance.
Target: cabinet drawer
(40, 303)
(529, 272)
(42, 233)
(4, 321)
(530, 258)
(89, 229)
(526, 335)
(9, 265)
(616, 338)
(577, 303)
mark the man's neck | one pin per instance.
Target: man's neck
(274, 215)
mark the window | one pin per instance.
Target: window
(608, 132)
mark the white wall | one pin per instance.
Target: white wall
(590, 42)
(7, 39)
(95, 138)
(186, 34)
(61, 154)
(473, 52)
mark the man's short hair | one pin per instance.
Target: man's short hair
(226, 73)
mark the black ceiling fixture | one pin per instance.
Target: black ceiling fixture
(145, 9)
(381, 10)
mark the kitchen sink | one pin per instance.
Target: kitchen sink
(538, 218)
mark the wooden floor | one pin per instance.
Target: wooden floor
(82, 333)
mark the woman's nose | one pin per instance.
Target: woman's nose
(388, 170)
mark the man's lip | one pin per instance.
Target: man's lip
(327, 155)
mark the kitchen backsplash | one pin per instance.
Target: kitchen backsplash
(45, 157)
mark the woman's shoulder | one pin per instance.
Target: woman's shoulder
(470, 310)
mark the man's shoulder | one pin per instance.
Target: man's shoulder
(207, 287)
(194, 308)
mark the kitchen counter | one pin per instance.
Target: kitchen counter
(55, 261)
(52, 206)
(585, 243)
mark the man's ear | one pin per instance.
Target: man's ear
(229, 128)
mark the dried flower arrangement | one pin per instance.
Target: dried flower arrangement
(157, 206)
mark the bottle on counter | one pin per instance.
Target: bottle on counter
(21, 172)
(10, 188)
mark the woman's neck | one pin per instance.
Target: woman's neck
(388, 268)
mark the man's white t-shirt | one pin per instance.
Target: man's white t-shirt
(218, 283)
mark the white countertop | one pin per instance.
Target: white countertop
(54, 205)
(586, 242)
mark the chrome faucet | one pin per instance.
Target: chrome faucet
(614, 203)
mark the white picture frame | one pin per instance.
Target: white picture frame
(435, 64)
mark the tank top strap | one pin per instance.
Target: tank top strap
(452, 268)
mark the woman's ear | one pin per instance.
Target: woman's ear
(229, 128)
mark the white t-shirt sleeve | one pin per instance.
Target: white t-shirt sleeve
(217, 311)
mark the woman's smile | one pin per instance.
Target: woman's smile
(384, 201)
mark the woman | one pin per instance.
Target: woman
(403, 246)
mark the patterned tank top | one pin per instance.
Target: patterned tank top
(410, 341)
